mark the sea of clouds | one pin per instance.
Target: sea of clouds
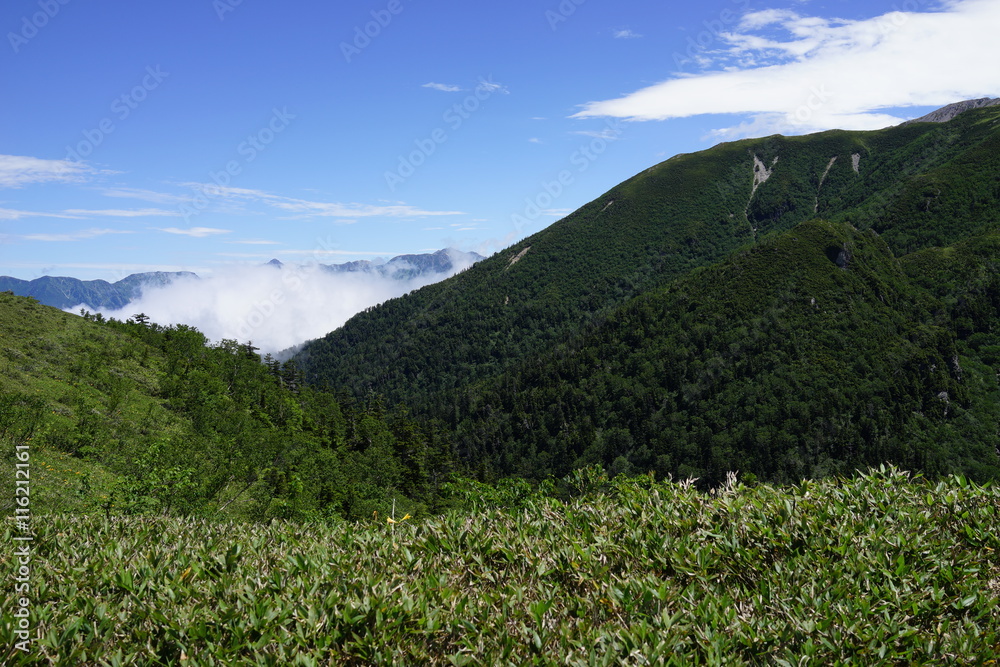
(275, 308)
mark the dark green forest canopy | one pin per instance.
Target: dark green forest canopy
(606, 337)
(812, 353)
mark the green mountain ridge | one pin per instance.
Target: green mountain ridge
(136, 418)
(449, 350)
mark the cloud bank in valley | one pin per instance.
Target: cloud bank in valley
(275, 308)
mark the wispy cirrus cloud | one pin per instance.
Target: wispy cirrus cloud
(227, 192)
(82, 213)
(121, 213)
(625, 33)
(490, 86)
(354, 210)
(303, 208)
(795, 73)
(17, 171)
(443, 87)
(339, 253)
(113, 267)
(14, 214)
(79, 235)
(195, 232)
(607, 134)
(150, 196)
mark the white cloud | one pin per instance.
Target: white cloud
(121, 213)
(196, 232)
(145, 195)
(119, 270)
(13, 214)
(557, 212)
(489, 86)
(765, 17)
(73, 236)
(534, 140)
(16, 171)
(213, 190)
(607, 134)
(320, 252)
(625, 33)
(244, 255)
(443, 87)
(336, 210)
(827, 73)
(274, 308)
(307, 209)
(254, 242)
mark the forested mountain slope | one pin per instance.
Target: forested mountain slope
(918, 186)
(815, 352)
(135, 418)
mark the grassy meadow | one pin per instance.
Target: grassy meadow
(878, 569)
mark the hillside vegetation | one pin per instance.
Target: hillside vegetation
(812, 353)
(881, 569)
(134, 418)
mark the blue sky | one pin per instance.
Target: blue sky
(199, 134)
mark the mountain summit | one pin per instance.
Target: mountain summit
(947, 113)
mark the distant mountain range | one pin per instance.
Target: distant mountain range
(404, 267)
(64, 292)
